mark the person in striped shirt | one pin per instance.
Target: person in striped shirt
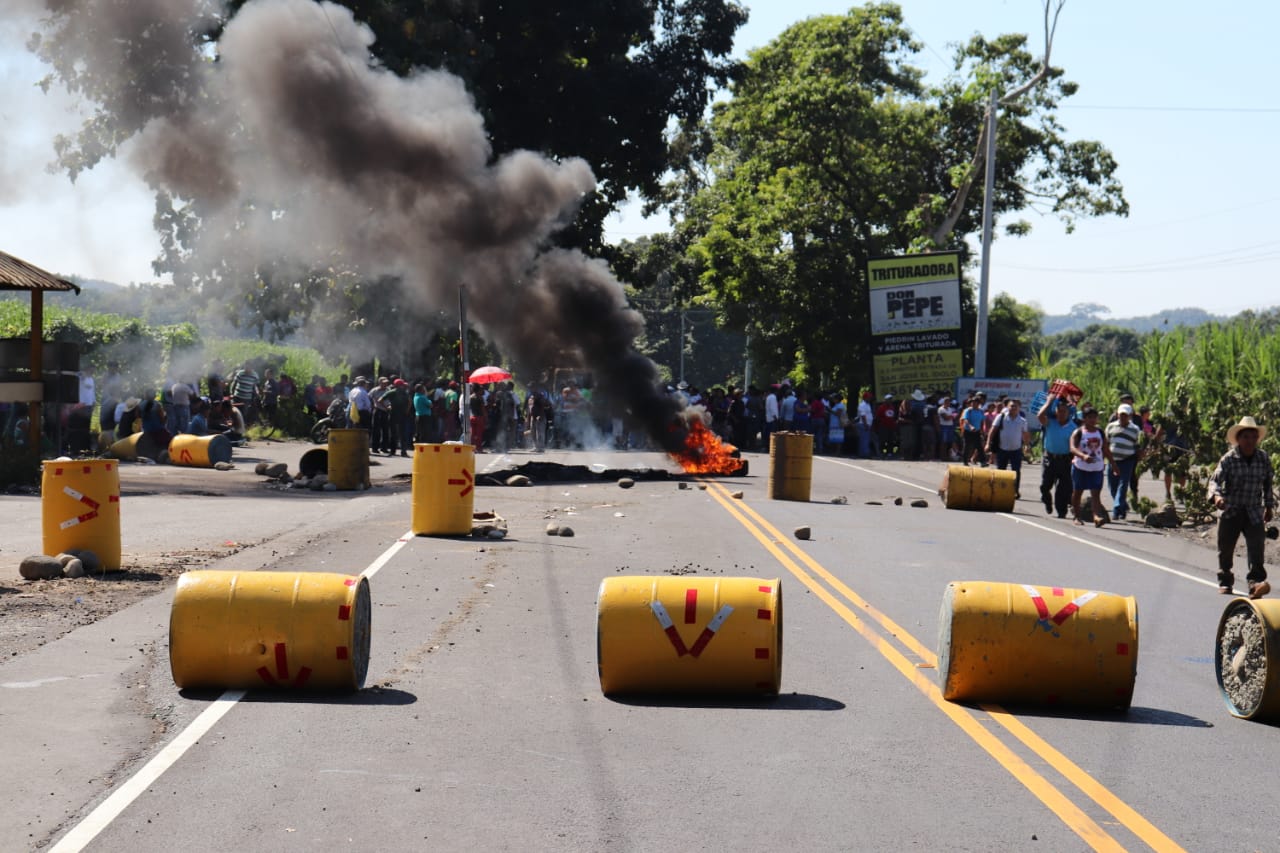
(1123, 436)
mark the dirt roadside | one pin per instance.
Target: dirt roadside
(173, 520)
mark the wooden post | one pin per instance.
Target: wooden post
(34, 409)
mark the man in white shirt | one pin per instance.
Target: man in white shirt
(1009, 437)
(770, 414)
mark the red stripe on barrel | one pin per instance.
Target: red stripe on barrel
(1057, 590)
(1122, 648)
(762, 654)
(344, 612)
(701, 642)
(690, 606)
(1065, 613)
(282, 662)
(765, 588)
(764, 614)
(343, 653)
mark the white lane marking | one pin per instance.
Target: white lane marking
(1038, 526)
(20, 685)
(111, 808)
(1112, 551)
(877, 474)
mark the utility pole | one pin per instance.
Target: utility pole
(980, 345)
(682, 344)
(463, 402)
(746, 368)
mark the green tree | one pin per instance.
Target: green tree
(833, 150)
(1013, 337)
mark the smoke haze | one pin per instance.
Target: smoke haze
(294, 140)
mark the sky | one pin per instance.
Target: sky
(1183, 98)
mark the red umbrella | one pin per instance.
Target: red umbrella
(485, 375)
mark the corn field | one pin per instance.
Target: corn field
(1200, 381)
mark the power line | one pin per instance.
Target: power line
(1171, 109)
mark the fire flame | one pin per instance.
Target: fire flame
(705, 453)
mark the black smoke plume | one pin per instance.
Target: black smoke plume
(292, 125)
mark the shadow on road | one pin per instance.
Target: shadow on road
(782, 702)
(366, 696)
(1136, 715)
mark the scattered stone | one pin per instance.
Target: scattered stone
(261, 469)
(566, 531)
(276, 471)
(1166, 517)
(316, 484)
(702, 486)
(64, 558)
(91, 561)
(875, 503)
(40, 568)
(919, 503)
(497, 533)
(841, 500)
(626, 482)
(223, 466)
(329, 487)
(519, 480)
(897, 501)
(736, 496)
(162, 458)
(683, 486)
(802, 532)
(286, 478)
(74, 569)
(553, 529)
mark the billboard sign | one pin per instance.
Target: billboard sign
(914, 306)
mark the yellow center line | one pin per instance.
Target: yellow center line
(1055, 800)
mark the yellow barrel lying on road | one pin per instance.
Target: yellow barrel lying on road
(790, 466)
(270, 629)
(133, 446)
(659, 634)
(199, 451)
(978, 488)
(1037, 645)
(80, 509)
(444, 489)
(349, 458)
(1247, 658)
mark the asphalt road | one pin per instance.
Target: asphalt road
(482, 725)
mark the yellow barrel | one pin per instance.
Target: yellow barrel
(1037, 645)
(790, 466)
(199, 451)
(659, 634)
(80, 505)
(349, 458)
(978, 488)
(444, 494)
(138, 444)
(1247, 658)
(230, 630)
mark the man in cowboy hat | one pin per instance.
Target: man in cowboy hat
(1241, 488)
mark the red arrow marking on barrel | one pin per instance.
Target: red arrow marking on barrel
(185, 456)
(699, 645)
(282, 670)
(1062, 615)
(84, 499)
(466, 481)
